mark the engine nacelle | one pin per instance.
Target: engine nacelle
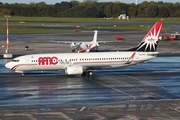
(73, 70)
(97, 44)
(73, 44)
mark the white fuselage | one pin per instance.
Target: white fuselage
(61, 61)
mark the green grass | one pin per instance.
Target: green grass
(40, 21)
(153, 20)
(125, 27)
(41, 31)
(72, 20)
(33, 31)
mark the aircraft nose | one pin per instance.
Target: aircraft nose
(8, 65)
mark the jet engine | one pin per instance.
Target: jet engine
(73, 70)
(97, 44)
(73, 45)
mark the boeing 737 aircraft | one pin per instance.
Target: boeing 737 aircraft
(83, 46)
(80, 63)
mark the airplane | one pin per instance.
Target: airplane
(85, 63)
(172, 37)
(80, 47)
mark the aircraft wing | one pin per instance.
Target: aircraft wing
(95, 67)
(78, 42)
(63, 42)
(105, 41)
(68, 42)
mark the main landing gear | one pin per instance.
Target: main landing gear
(96, 49)
(89, 73)
(22, 74)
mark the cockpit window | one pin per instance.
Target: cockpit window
(15, 60)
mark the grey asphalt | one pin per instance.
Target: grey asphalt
(145, 91)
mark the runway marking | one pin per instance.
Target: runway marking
(56, 113)
(144, 82)
(22, 114)
(132, 85)
(108, 86)
(148, 83)
(99, 116)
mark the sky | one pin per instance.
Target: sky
(59, 1)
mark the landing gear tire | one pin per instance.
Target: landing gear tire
(90, 73)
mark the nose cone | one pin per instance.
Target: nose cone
(8, 65)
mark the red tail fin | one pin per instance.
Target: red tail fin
(153, 33)
(150, 41)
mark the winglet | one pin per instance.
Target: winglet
(131, 58)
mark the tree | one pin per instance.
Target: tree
(56, 7)
(108, 10)
(116, 9)
(132, 12)
(64, 6)
(40, 8)
(151, 11)
(74, 3)
(171, 9)
(100, 7)
(74, 12)
(93, 9)
(90, 11)
(163, 12)
(141, 9)
(177, 9)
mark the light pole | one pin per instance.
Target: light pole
(7, 55)
(136, 2)
(7, 36)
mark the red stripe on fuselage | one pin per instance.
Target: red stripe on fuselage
(19, 65)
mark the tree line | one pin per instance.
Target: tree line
(92, 9)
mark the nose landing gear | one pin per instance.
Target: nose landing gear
(22, 74)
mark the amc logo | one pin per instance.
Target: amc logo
(47, 60)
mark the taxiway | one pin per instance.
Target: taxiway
(145, 91)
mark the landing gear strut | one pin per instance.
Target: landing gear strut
(96, 49)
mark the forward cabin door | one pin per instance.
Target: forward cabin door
(27, 60)
(28, 63)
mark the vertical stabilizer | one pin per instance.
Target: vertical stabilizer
(95, 37)
(150, 41)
